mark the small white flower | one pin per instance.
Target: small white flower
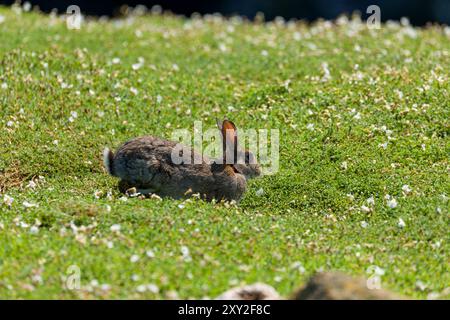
(310, 126)
(392, 203)
(134, 258)
(186, 254)
(364, 224)
(175, 67)
(135, 277)
(34, 230)
(116, 60)
(26, 6)
(365, 209)
(136, 66)
(2, 18)
(420, 285)
(134, 90)
(383, 145)
(141, 288)
(73, 116)
(401, 223)
(181, 205)
(357, 116)
(8, 200)
(298, 266)
(184, 250)
(23, 224)
(150, 253)
(153, 288)
(370, 201)
(105, 287)
(264, 53)
(94, 283)
(27, 204)
(4, 85)
(406, 189)
(158, 98)
(344, 165)
(10, 123)
(223, 47)
(115, 228)
(55, 142)
(260, 192)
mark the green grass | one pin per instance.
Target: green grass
(393, 79)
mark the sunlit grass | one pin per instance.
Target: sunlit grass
(363, 119)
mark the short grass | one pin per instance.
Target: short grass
(337, 92)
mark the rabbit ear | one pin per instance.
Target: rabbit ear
(229, 138)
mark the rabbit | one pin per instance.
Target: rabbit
(145, 163)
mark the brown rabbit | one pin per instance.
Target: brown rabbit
(145, 163)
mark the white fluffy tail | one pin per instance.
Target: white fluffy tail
(108, 160)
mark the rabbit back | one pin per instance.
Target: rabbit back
(146, 163)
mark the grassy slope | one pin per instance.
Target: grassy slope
(305, 214)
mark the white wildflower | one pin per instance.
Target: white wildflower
(185, 253)
(134, 90)
(392, 203)
(34, 230)
(135, 277)
(26, 6)
(27, 204)
(105, 287)
(73, 116)
(153, 288)
(298, 266)
(134, 258)
(364, 224)
(260, 192)
(8, 200)
(141, 288)
(115, 228)
(370, 201)
(401, 223)
(150, 253)
(326, 72)
(406, 189)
